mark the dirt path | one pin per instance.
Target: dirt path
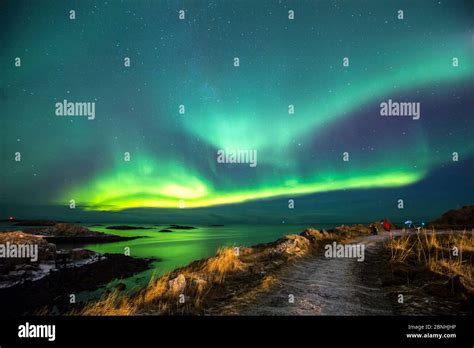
(329, 286)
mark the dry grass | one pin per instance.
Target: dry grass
(162, 295)
(400, 248)
(111, 304)
(155, 289)
(242, 274)
(225, 262)
(446, 254)
(267, 282)
(43, 311)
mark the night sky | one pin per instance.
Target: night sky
(190, 62)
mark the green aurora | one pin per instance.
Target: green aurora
(173, 157)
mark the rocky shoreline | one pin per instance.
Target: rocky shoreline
(214, 285)
(237, 276)
(50, 294)
(204, 285)
(62, 233)
(45, 279)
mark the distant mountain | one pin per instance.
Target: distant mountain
(456, 219)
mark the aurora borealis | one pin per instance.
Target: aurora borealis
(189, 62)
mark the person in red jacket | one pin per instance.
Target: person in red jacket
(386, 225)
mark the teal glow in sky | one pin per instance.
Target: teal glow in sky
(190, 62)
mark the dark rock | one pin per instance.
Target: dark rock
(294, 245)
(120, 287)
(456, 219)
(99, 238)
(178, 284)
(35, 223)
(49, 291)
(314, 235)
(80, 254)
(353, 230)
(46, 251)
(63, 233)
(65, 230)
(180, 227)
